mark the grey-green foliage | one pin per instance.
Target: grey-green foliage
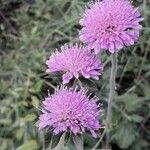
(30, 31)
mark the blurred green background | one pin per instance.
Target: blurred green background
(29, 31)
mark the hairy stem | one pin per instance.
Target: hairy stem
(111, 94)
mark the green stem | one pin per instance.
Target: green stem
(99, 141)
(110, 98)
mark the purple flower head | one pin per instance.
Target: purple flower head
(74, 61)
(110, 24)
(70, 110)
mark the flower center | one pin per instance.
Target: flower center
(71, 117)
(110, 29)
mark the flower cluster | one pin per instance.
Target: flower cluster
(72, 110)
(74, 60)
(106, 25)
(110, 25)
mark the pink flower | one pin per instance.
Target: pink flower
(74, 61)
(70, 110)
(110, 25)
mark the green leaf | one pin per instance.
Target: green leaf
(124, 135)
(132, 101)
(89, 140)
(29, 117)
(35, 101)
(30, 145)
(136, 118)
(14, 94)
(5, 121)
(78, 141)
(61, 143)
(66, 148)
(19, 133)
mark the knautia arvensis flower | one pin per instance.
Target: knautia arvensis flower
(70, 110)
(74, 61)
(110, 25)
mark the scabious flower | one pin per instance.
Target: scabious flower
(110, 25)
(74, 61)
(70, 110)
